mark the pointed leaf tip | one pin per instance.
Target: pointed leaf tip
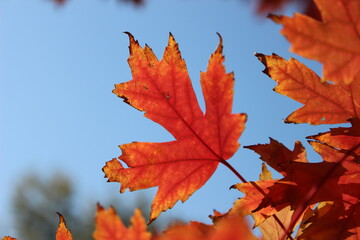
(172, 41)
(129, 35)
(61, 218)
(262, 58)
(220, 46)
(274, 17)
(62, 232)
(132, 41)
(99, 207)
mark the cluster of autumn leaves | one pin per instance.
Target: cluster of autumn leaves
(321, 198)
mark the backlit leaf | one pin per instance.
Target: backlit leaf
(163, 90)
(278, 156)
(334, 41)
(108, 226)
(336, 179)
(227, 227)
(324, 103)
(331, 221)
(254, 195)
(271, 229)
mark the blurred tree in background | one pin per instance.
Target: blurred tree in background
(35, 203)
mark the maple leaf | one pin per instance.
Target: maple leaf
(227, 227)
(335, 41)
(336, 179)
(108, 226)
(321, 178)
(324, 103)
(254, 194)
(192, 231)
(274, 227)
(163, 90)
(62, 233)
(8, 238)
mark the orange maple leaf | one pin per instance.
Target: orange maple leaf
(8, 238)
(62, 232)
(271, 227)
(324, 103)
(163, 90)
(335, 41)
(225, 228)
(108, 226)
(254, 195)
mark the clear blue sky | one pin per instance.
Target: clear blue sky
(58, 67)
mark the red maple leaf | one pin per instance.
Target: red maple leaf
(271, 222)
(256, 193)
(163, 90)
(336, 180)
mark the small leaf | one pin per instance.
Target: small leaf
(108, 226)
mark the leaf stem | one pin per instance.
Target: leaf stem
(228, 165)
